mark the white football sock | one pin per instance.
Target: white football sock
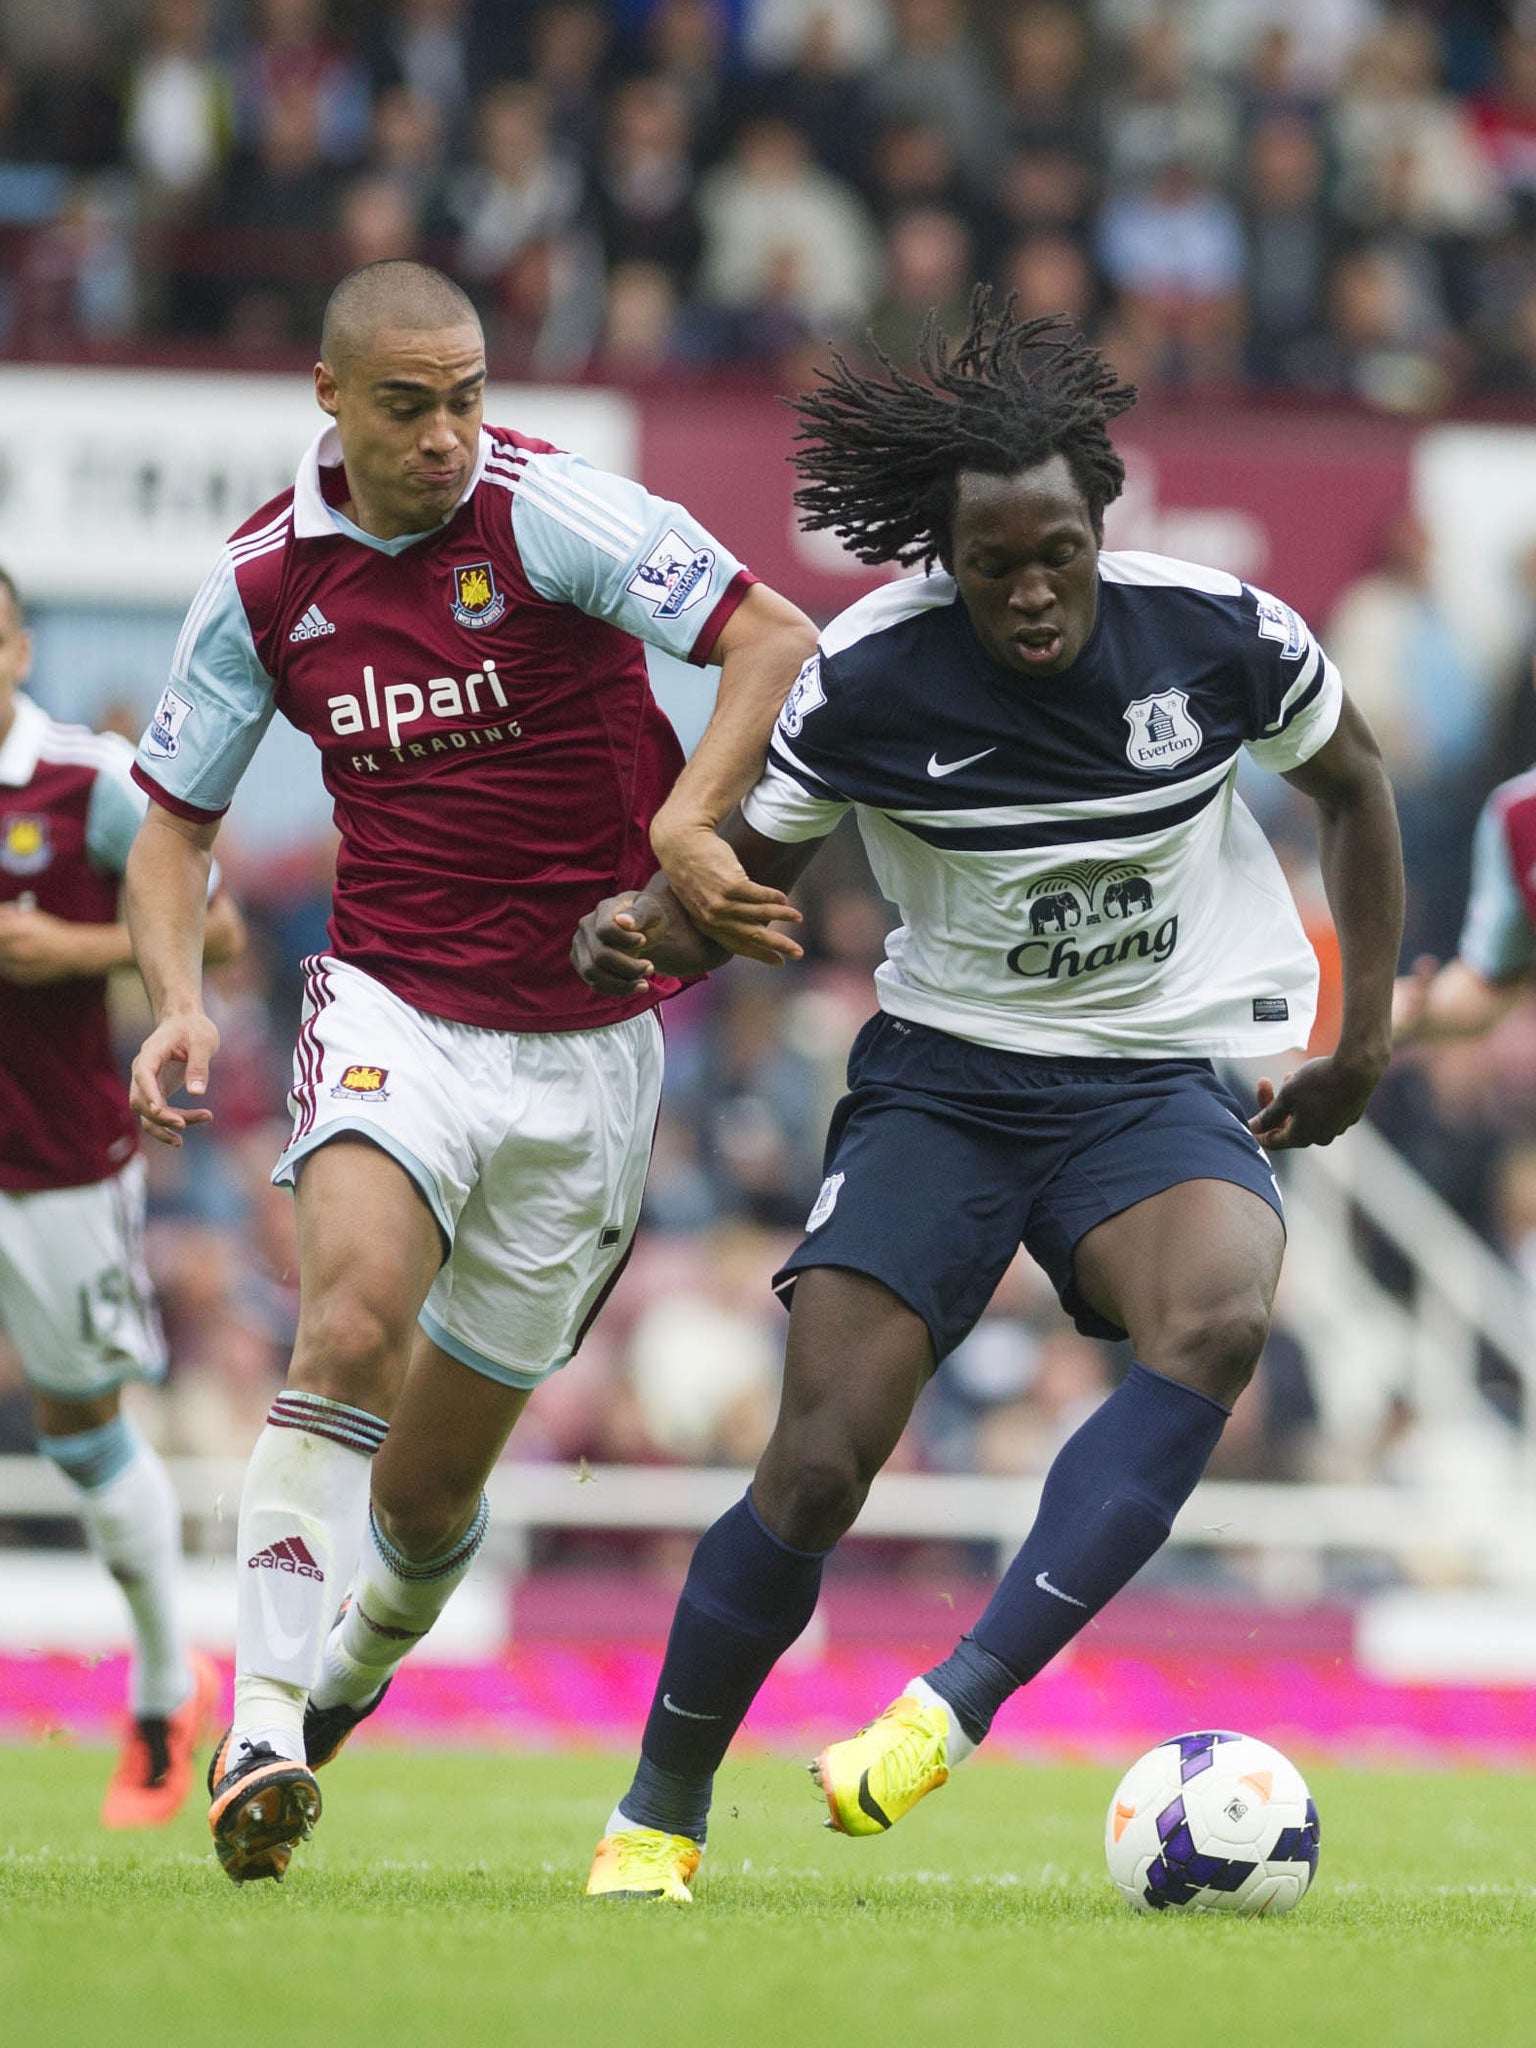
(132, 1519)
(960, 1745)
(301, 1523)
(394, 1603)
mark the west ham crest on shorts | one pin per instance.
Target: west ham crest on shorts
(362, 1084)
(476, 600)
(1162, 731)
(25, 845)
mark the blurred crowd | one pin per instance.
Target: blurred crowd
(1336, 197)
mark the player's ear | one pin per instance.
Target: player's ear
(327, 389)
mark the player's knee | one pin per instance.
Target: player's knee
(1214, 1349)
(348, 1349)
(813, 1496)
(421, 1514)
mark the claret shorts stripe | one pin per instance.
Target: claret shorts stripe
(530, 1148)
(78, 1303)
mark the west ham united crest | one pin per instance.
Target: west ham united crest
(1162, 731)
(362, 1084)
(25, 845)
(476, 600)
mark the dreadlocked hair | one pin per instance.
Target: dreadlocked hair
(880, 455)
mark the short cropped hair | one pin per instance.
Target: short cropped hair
(396, 293)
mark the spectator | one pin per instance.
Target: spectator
(521, 191)
(929, 266)
(819, 88)
(1504, 121)
(568, 55)
(1051, 274)
(422, 47)
(935, 70)
(1045, 73)
(1428, 707)
(1290, 241)
(1387, 341)
(785, 244)
(179, 111)
(911, 162)
(1406, 151)
(644, 206)
(290, 52)
(1174, 252)
(405, 144)
(1167, 110)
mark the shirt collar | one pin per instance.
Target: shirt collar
(23, 744)
(312, 518)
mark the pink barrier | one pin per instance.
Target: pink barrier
(1094, 1705)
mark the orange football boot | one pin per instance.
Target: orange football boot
(154, 1771)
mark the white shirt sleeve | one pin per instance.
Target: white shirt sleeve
(217, 704)
(604, 544)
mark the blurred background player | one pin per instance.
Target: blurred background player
(454, 614)
(1497, 950)
(74, 1293)
(1039, 741)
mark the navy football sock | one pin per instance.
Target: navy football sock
(1107, 1505)
(747, 1598)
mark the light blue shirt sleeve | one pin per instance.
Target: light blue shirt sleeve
(115, 811)
(217, 704)
(604, 544)
(1496, 936)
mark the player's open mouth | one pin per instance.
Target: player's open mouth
(1038, 646)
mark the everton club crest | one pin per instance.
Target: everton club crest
(476, 600)
(1162, 731)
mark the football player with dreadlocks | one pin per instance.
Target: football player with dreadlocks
(1040, 740)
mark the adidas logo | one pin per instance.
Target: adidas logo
(289, 1554)
(313, 626)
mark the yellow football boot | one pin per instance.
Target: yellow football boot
(644, 1863)
(878, 1775)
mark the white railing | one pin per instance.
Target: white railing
(1469, 1533)
(1367, 1347)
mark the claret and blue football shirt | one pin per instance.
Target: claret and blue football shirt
(480, 701)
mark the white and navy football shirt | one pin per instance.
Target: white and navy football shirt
(1075, 872)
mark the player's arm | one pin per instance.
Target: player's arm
(1435, 1003)
(760, 650)
(36, 946)
(628, 938)
(167, 899)
(1362, 865)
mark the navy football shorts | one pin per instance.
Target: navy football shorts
(945, 1156)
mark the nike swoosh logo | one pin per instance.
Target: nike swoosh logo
(666, 1701)
(938, 767)
(283, 1642)
(1055, 1591)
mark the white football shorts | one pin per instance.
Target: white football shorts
(530, 1148)
(74, 1290)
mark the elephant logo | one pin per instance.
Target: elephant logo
(1123, 898)
(1055, 912)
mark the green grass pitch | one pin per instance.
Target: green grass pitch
(440, 1905)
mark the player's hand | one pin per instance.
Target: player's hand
(1410, 999)
(1312, 1105)
(713, 887)
(176, 1054)
(609, 949)
(34, 946)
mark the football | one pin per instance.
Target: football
(1212, 1823)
